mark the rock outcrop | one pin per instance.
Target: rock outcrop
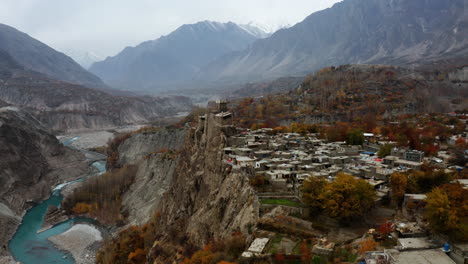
(207, 198)
(184, 183)
(33, 161)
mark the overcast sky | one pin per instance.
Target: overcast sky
(107, 26)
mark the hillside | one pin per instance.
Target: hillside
(401, 32)
(64, 106)
(36, 56)
(172, 59)
(351, 92)
(279, 85)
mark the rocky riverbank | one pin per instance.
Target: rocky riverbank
(82, 241)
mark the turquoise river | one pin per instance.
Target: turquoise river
(30, 247)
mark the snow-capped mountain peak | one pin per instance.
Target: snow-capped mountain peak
(82, 57)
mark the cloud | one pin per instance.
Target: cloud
(107, 26)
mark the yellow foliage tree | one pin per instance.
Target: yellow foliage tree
(312, 188)
(447, 210)
(347, 197)
(82, 208)
(398, 184)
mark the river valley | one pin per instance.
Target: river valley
(30, 244)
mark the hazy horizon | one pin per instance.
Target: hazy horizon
(106, 27)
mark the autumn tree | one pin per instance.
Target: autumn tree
(447, 210)
(386, 228)
(423, 181)
(312, 188)
(347, 197)
(368, 244)
(306, 255)
(398, 184)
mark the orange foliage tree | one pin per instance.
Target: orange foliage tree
(368, 244)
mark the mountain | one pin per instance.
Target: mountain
(37, 56)
(398, 32)
(263, 30)
(257, 30)
(84, 58)
(174, 58)
(64, 106)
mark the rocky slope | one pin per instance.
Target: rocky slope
(64, 106)
(33, 161)
(140, 145)
(184, 187)
(398, 32)
(279, 85)
(172, 59)
(37, 56)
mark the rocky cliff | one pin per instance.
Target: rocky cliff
(207, 198)
(32, 162)
(156, 156)
(140, 145)
(184, 188)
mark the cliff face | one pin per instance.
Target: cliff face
(207, 198)
(140, 145)
(32, 162)
(155, 155)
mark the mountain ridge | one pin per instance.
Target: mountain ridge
(169, 59)
(37, 56)
(399, 32)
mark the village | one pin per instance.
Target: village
(283, 161)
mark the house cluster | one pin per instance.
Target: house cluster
(414, 246)
(287, 159)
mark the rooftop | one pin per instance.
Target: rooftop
(431, 256)
(258, 245)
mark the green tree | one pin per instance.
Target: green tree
(385, 150)
(355, 137)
